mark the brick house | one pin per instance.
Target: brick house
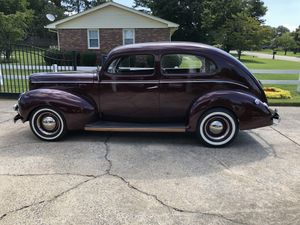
(109, 25)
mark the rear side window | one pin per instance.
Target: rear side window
(132, 65)
(186, 64)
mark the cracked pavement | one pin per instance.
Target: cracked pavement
(142, 178)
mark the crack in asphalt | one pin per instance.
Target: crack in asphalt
(49, 174)
(14, 145)
(285, 136)
(90, 176)
(109, 173)
(155, 197)
(47, 200)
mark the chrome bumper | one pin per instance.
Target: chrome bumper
(17, 117)
(275, 116)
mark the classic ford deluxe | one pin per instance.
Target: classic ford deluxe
(151, 87)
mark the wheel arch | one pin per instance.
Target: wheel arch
(76, 110)
(240, 104)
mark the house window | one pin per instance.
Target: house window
(128, 36)
(93, 39)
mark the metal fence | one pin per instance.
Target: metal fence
(17, 62)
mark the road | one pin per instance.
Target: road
(141, 178)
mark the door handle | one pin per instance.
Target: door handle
(153, 87)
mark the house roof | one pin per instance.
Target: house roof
(77, 17)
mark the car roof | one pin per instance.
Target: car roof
(163, 46)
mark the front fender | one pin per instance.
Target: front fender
(76, 110)
(250, 112)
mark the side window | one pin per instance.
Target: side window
(186, 64)
(132, 65)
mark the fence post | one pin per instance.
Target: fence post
(1, 77)
(54, 68)
(298, 86)
(74, 60)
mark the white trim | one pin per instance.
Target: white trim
(58, 42)
(168, 23)
(88, 38)
(123, 31)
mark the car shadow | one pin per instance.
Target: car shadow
(173, 155)
(134, 155)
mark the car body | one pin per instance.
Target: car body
(150, 87)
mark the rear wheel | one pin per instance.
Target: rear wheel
(48, 124)
(217, 127)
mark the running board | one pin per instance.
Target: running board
(134, 127)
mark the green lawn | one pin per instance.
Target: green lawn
(29, 58)
(14, 86)
(268, 64)
(270, 51)
(277, 76)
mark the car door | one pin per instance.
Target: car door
(183, 79)
(129, 89)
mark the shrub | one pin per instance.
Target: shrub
(277, 93)
(88, 59)
(53, 56)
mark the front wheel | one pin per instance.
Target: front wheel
(217, 127)
(48, 124)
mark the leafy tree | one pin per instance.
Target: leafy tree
(80, 5)
(14, 21)
(281, 30)
(269, 35)
(256, 8)
(296, 35)
(40, 9)
(200, 21)
(13, 6)
(242, 32)
(286, 42)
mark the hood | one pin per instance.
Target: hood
(63, 77)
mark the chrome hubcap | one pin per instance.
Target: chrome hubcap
(216, 127)
(49, 123)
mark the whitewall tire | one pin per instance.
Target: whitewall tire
(47, 124)
(217, 127)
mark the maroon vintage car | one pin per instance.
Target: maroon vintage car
(152, 87)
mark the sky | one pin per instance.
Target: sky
(280, 12)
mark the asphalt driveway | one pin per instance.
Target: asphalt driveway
(142, 178)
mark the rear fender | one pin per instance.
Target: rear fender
(249, 111)
(76, 110)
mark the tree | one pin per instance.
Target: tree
(296, 35)
(200, 21)
(268, 35)
(242, 32)
(256, 8)
(40, 8)
(80, 5)
(186, 13)
(281, 30)
(286, 42)
(14, 21)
